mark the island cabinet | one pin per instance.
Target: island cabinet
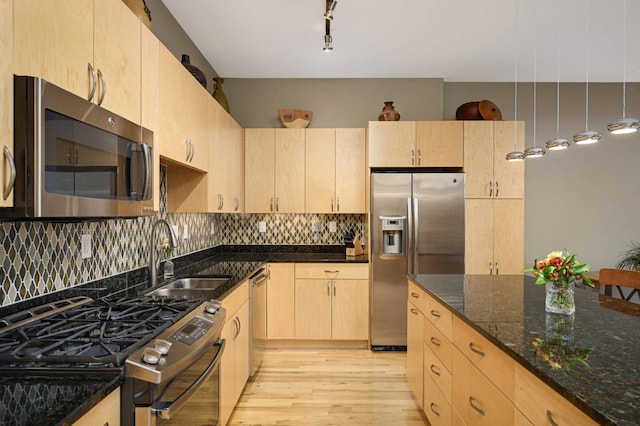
(415, 338)
(415, 143)
(335, 171)
(274, 170)
(226, 163)
(79, 45)
(106, 412)
(332, 301)
(234, 366)
(6, 102)
(280, 301)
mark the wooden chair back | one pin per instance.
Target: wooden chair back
(620, 277)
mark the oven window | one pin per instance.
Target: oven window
(82, 160)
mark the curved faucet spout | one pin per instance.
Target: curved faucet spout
(173, 241)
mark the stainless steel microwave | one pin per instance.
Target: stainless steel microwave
(73, 158)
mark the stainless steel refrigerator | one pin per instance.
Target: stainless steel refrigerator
(417, 227)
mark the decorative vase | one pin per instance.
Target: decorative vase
(389, 113)
(168, 269)
(560, 298)
(195, 71)
(139, 7)
(218, 94)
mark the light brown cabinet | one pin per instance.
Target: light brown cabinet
(416, 144)
(234, 366)
(106, 412)
(149, 114)
(280, 301)
(226, 163)
(415, 332)
(7, 161)
(97, 44)
(489, 174)
(494, 236)
(335, 171)
(331, 301)
(274, 170)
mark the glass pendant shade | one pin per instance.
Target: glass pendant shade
(534, 152)
(623, 126)
(586, 137)
(557, 144)
(515, 156)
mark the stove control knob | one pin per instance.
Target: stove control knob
(212, 306)
(151, 356)
(162, 346)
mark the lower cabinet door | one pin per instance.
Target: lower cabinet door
(350, 310)
(436, 405)
(415, 344)
(227, 372)
(313, 309)
(475, 398)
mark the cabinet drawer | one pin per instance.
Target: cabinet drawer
(436, 406)
(475, 398)
(439, 315)
(106, 412)
(489, 359)
(439, 374)
(417, 296)
(540, 404)
(233, 301)
(348, 271)
(438, 343)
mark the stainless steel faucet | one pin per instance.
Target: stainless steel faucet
(153, 247)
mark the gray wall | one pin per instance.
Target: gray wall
(583, 199)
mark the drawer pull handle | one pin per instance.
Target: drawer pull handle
(475, 407)
(550, 418)
(415, 295)
(432, 407)
(332, 271)
(414, 311)
(434, 369)
(435, 341)
(435, 313)
(476, 350)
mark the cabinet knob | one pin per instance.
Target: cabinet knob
(419, 157)
(236, 199)
(490, 189)
(497, 188)
(413, 157)
(331, 204)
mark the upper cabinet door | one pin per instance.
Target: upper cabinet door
(439, 143)
(117, 57)
(508, 175)
(289, 171)
(6, 102)
(226, 167)
(320, 171)
(259, 169)
(53, 39)
(149, 97)
(392, 143)
(478, 158)
(351, 171)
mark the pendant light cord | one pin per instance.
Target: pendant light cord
(624, 59)
(535, 68)
(515, 88)
(586, 109)
(557, 69)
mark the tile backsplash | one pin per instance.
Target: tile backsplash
(38, 257)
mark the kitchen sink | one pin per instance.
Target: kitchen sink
(191, 287)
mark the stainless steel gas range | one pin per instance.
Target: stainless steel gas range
(165, 349)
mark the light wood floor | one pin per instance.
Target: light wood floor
(328, 387)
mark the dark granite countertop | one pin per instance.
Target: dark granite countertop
(64, 398)
(509, 311)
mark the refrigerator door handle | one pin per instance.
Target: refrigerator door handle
(416, 225)
(409, 232)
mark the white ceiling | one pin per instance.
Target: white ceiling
(457, 40)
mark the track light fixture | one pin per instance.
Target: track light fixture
(515, 155)
(328, 47)
(331, 5)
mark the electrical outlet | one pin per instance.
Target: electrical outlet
(317, 226)
(176, 231)
(262, 227)
(85, 246)
(213, 228)
(185, 233)
(333, 227)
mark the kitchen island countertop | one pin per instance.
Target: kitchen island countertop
(608, 390)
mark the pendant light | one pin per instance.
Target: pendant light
(624, 125)
(515, 155)
(557, 143)
(534, 151)
(588, 136)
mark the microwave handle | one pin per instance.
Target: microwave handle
(166, 411)
(148, 169)
(12, 179)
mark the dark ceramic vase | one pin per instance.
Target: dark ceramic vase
(389, 113)
(195, 71)
(218, 94)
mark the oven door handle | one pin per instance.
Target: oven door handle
(167, 410)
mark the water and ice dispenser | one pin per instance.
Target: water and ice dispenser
(392, 234)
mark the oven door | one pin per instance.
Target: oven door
(191, 397)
